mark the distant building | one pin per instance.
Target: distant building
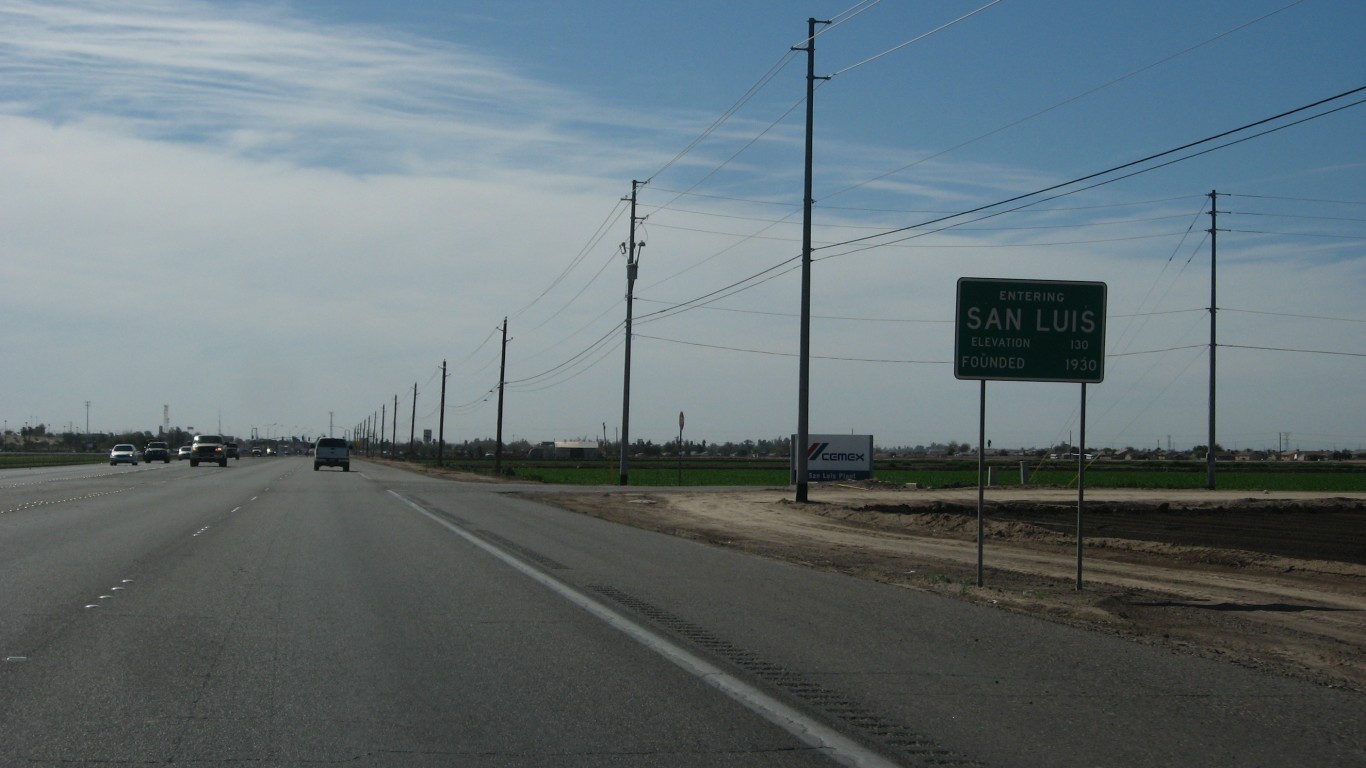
(566, 449)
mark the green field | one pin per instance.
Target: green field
(23, 460)
(1320, 477)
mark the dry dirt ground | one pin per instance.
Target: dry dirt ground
(1271, 580)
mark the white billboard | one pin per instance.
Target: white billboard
(835, 457)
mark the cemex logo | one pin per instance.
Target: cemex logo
(817, 451)
(833, 457)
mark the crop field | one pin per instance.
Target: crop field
(23, 460)
(1318, 477)
(1321, 478)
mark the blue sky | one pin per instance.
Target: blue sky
(276, 214)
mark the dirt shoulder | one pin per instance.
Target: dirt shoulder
(1271, 580)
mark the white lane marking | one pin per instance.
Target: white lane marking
(36, 504)
(839, 747)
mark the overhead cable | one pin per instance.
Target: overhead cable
(917, 39)
(1124, 166)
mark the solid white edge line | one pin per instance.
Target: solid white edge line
(841, 748)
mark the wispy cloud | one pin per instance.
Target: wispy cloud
(267, 86)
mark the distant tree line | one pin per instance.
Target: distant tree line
(39, 438)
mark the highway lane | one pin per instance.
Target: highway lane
(928, 679)
(280, 616)
(267, 614)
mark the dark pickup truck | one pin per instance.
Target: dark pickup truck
(157, 451)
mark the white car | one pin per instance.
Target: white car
(123, 453)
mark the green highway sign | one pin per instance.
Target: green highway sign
(1029, 330)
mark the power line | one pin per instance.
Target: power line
(744, 99)
(577, 356)
(720, 293)
(605, 352)
(917, 39)
(1122, 166)
(1287, 314)
(1067, 101)
(1294, 234)
(598, 234)
(1157, 351)
(814, 317)
(793, 354)
(1293, 216)
(1299, 199)
(1304, 351)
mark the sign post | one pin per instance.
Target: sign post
(1029, 330)
(680, 447)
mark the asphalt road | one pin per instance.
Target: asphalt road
(269, 615)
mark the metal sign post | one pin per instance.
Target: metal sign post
(680, 447)
(981, 485)
(1081, 482)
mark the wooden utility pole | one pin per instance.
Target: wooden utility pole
(441, 422)
(631, 249)
(1213, 312)
(412, 425)
(804, 360)
(502, 379)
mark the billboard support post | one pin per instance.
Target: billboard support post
(981, 464)
(1081, 481)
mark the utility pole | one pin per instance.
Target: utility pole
(383, 415)
(441, 423)
(412, 424)
(1213, 312)
(632, 250)
(502, 379)
(329, 423)
(804, 364)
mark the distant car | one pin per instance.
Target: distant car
(184, 452)
(255, 451)
(123, 453)
(157, 451)
(233, 453)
